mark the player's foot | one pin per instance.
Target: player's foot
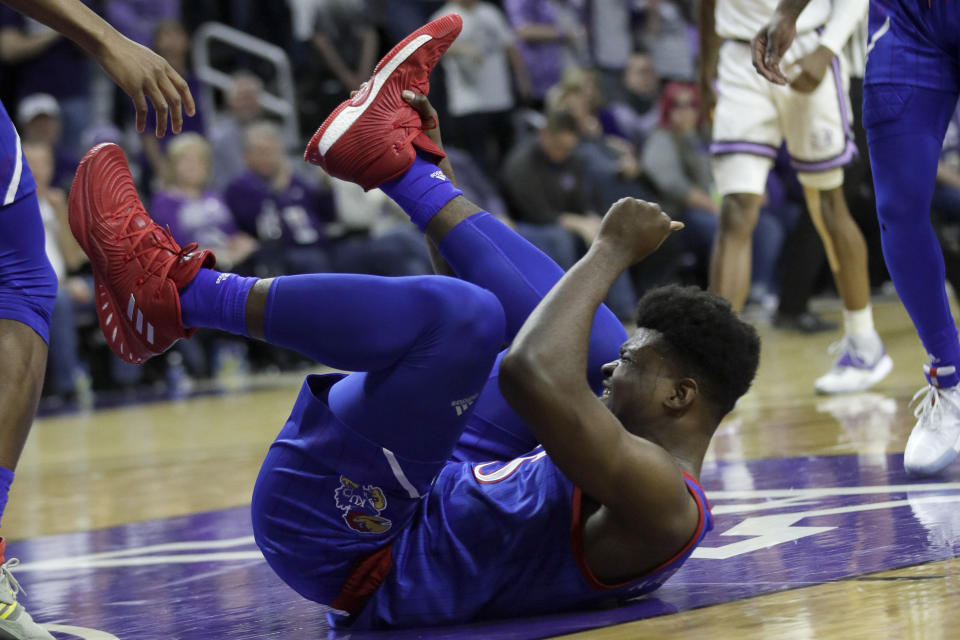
(854, 370)
(371, 138)
(935, 440)
(137, 266)
(15, 622)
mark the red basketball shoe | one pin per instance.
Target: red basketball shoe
(370, 138)
(137, 266)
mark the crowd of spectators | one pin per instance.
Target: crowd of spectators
(551, 110)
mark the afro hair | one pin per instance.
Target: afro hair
(714, 346)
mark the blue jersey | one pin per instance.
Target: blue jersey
(500, 539)
(915, 43)
(16, 180)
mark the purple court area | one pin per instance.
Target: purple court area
(781, 524)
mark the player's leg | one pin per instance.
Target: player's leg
(864, 362)
(819, 137)
(731, 262)
(482, 250)
(905, 129)
(28, 288)
(746, 136)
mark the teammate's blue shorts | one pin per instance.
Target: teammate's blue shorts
(914, 42)
(28, 284)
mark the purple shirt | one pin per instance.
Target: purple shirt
(138, 19)
(206, 219)
(544, 60)
(295, 216)
(60, 69)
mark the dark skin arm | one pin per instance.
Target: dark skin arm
(644, 505)
(775, 38)
(140, 72)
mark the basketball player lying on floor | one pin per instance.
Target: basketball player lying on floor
(447, 480)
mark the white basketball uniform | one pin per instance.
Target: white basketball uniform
(754, 116)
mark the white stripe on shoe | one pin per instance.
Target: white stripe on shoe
(345, 119)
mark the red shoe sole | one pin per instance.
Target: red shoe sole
(349, 111)
(108, 309)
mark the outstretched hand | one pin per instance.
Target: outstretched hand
(143, 75)
(634, 228)
(771, 43)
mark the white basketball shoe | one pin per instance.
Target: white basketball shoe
(935, 440)
(856, 369)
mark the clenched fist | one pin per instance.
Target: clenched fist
(633, 229)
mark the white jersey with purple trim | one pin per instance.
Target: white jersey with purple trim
(16, 180)
(742, 19)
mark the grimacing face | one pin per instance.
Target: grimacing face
(636, 384)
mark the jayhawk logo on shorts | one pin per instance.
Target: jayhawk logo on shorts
(361, 506)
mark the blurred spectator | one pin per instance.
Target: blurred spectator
(547, 40)
(611, 39)
(677, 162)
(194, 213)
(946, 194)
(170, 41)
(46, 63)
(665, 31)
(401, 17)
(39, 118)
(479, 94)
(474, 183)
(284, 211)
(343, 47)
(611, 163)
(635, 107)
(139, 19)
(226, 132)
(66, 376)
(546, 187)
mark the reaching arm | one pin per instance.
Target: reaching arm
(141, 73)
(542, 379)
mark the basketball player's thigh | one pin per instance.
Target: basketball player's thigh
(818, 130)
(746, 125)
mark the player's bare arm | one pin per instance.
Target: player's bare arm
(639, 485)
(775, 38)
(140, 72)
(709, 53)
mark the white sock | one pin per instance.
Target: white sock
(858, 325)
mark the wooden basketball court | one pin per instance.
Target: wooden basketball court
(132, 522)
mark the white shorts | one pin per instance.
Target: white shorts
(754, 116)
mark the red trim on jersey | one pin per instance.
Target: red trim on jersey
(369, 572)
(576, 538)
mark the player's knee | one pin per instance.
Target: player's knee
(822, 180)
(472, 313)
(738, 214)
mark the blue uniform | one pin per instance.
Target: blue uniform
(910, 92)
(16, 180)
(28, 284)
(375, 540)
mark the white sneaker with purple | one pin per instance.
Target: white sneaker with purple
(856, 369)
(935, 440)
